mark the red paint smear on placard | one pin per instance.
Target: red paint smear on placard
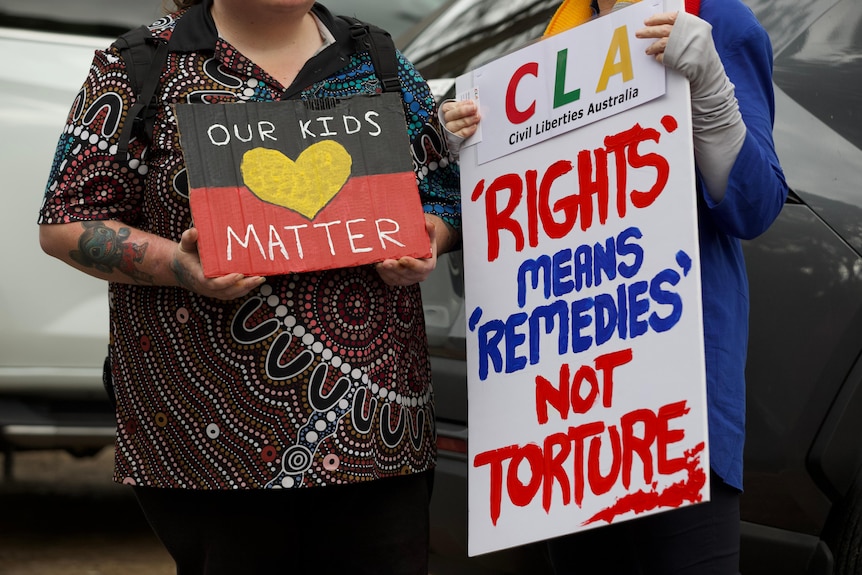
(688, 490)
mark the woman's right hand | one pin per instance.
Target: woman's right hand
(460, 117)
(188, 272)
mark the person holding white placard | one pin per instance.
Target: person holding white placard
(727, 57)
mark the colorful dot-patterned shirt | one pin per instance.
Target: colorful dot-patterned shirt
(313, 379)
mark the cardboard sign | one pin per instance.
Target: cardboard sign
(294, 186)
(586, 370)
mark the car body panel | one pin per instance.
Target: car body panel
(61, 308)
(54, 319)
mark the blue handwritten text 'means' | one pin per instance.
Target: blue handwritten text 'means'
(572, 270)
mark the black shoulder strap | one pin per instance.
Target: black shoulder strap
(145, 58)
(378, 42)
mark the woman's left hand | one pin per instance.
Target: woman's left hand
(659, 27)
(408, 270)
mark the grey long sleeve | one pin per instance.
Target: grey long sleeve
(717, 124)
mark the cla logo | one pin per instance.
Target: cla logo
(617, 61)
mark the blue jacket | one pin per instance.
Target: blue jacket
(755, 195)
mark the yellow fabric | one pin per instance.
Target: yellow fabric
(571, 13)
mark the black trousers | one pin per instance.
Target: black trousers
(701, 539)
(379, 527)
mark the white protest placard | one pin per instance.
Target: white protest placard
(586, 378)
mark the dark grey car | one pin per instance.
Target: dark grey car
(802, 506)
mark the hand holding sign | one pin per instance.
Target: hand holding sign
(408, 271)
(461, 117)
(187, 269)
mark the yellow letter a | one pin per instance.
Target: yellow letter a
(619, 45)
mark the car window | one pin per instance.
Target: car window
(112, 17)
(471, 33)
(395, 16)
(92, 17)
(826, 57)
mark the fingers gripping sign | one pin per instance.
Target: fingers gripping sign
(408, 270)
(461, 117)
(187, 269)
(659, 28)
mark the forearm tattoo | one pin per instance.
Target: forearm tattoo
(107, 250)
(184, 278)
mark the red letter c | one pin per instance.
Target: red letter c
(515, 115)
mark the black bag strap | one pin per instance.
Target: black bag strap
(378, 42)
(145, 58)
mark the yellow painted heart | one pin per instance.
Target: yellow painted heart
(304, 186)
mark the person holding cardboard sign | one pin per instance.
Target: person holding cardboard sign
(727, 57)
(267, 424)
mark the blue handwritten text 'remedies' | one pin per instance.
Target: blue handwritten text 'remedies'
(631, 307)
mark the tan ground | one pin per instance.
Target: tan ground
(63, 516)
